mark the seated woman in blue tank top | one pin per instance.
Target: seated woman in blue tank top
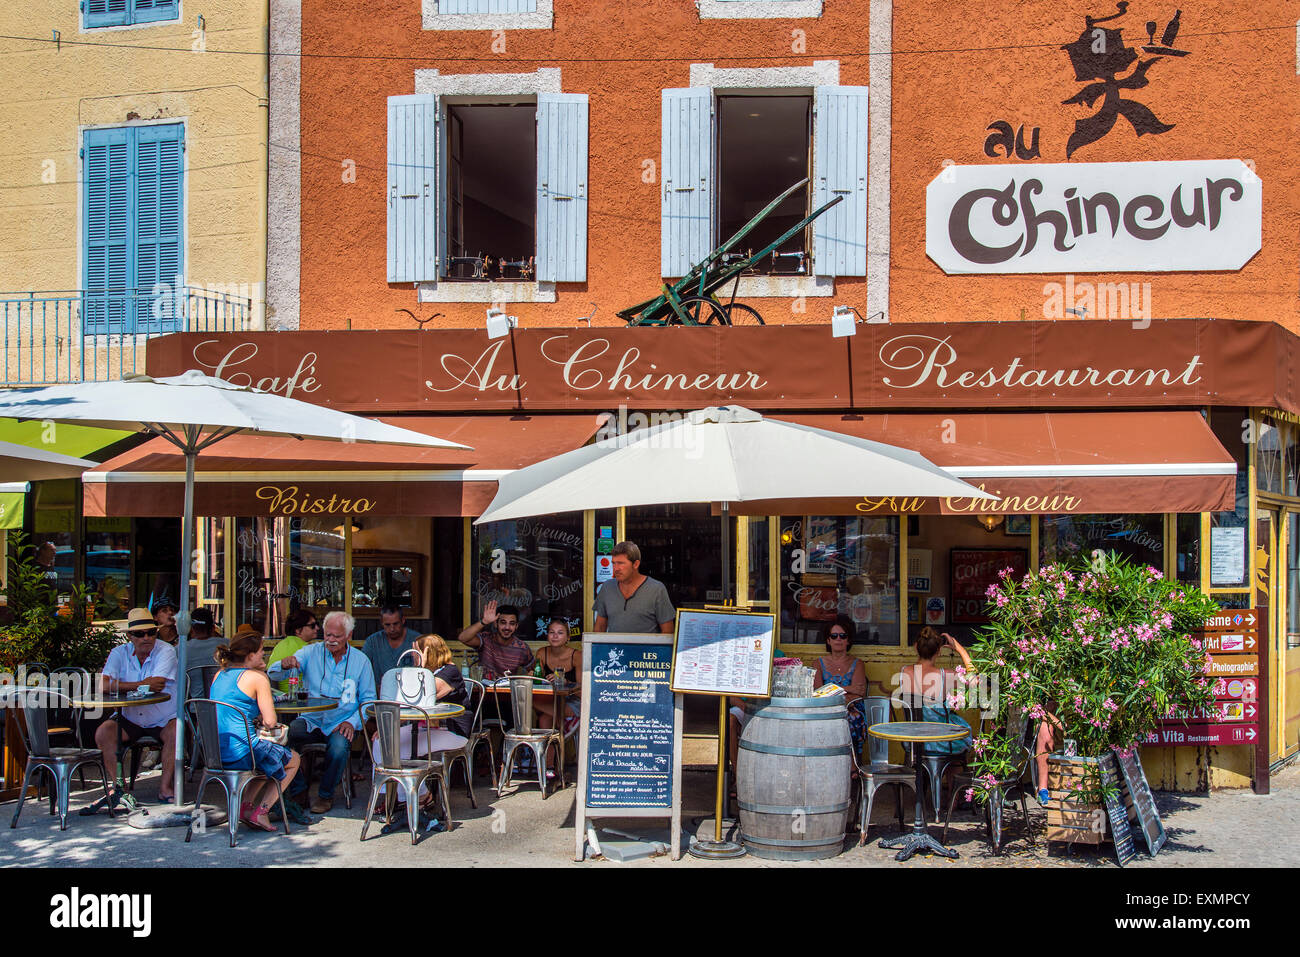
(841, 668)
(243, 683)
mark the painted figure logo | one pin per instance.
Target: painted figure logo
(611, 667)
(1100, 54)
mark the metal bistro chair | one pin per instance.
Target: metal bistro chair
(878, 772)
(522, 734)
(936, 763)
(410, 773)
(59, 763)
(478, 735)
(1012, 785)
(198, 684)
(232, 780)
(66, 722)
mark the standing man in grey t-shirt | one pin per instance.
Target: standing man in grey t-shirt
(632, 603)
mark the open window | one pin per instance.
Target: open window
(491, 192)
(487, 192)
(725, 156)
(764, 148)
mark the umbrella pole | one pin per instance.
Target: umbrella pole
(726, 553)
(183, 615)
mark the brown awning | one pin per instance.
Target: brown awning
(1043, 462)
(263, 475)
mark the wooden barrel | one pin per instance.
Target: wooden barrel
(792, 778)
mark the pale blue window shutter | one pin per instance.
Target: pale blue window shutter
(687, 177)
(840, 169)
(109, 231)
(159, 152)
(107, 13)
(562, 187)
(149, 11)
(412, 188)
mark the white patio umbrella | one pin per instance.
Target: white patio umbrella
(728, 454)
(22, 463)
(194, 411)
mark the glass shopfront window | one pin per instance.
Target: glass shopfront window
(1139, 538)
(1187, 566)
(1268, 456)
(107, 547)
(157, 560)
(759, 586)
(1293, 580)
(282, 564)
(833, 565)
(681, 545)
(534, 564)
(1229, 531)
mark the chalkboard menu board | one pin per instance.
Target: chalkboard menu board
(631, 732)
(1125, 849)
(971, 571)
(1144, 802)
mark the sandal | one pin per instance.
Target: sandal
(259, 819)
(113, 799)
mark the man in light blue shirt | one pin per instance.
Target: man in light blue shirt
(331, 669)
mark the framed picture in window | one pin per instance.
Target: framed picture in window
(971, 571)
(1017, 524)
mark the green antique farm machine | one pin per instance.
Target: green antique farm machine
(693, 299)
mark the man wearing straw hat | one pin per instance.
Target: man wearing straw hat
(144, 662)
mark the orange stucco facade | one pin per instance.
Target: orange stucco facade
(954, 72)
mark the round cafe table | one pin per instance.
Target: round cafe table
(917, 732)
(561, 691)
(115, 702)
(438, 712)
(305, 706)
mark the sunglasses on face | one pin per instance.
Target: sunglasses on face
(838, 634)
(152, 632)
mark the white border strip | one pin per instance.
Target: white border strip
(442, 475)
(23, 487)
(1091, 471)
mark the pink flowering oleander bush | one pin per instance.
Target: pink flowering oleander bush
(1107, 646)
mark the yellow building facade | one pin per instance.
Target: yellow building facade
(135, 153)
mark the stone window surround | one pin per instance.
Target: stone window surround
(781, 79)
(179, 18)
(466, 87)
(759, 9)
(543, 18)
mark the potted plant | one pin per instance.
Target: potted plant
(34, 627)
(1107, 647)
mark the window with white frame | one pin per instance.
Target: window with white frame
(122, 13)
(764, 150)
(487, 191)
(718, 172)
(133, 248)
(758, 9)
(487, 14)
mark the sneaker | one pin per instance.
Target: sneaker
(295, 811)
(1044, 797)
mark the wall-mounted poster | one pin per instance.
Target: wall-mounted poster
(1017, 525)
(934, 611)
(971, 571)
(821, 545)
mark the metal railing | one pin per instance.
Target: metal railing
(95, 336)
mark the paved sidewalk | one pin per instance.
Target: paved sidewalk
(1225, 829)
